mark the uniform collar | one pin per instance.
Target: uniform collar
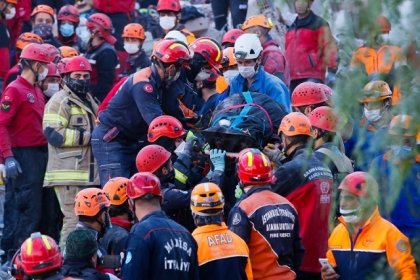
(25, 82)
(256, 189)
(159, 213)
(209, 228)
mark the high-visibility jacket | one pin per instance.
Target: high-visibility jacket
(221, 253)
(376, 244)
(68, 123)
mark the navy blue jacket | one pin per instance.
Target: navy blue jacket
(159, 248)
(137, 62)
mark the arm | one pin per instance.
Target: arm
(9, 107)
(285, 177)
(238, 223)
(56, 126)
(136, 263)
(328, 47)
(146, 101)
(106, 70)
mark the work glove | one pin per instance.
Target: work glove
(12, 168)
(238, 192)
(273, 153)
(217, 158)
(2, 174)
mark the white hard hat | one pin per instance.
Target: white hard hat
(176, 35)
(247, 46)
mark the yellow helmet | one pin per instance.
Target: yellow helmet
(258, 20)
(207, 200)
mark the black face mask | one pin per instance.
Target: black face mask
(168, 178)
(79, 87)
(195, 67)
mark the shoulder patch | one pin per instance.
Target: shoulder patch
(31, 98)
(5, 106)
(148, 87)
(402, 246)
(128, 258)
(236, 219)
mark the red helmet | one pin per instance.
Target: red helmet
(171, 51)
(27, 38)
(53, 52)
(359, 183)
(101, 24)
(167, 126)
(39, 253)
(62, 64)
(209, 49)
(151, 158)
(69, 13)
(77, 63)
(308, 93)
(143, 183)
(231, 36)
(254, 168)
(324, 118)
(169, 5)
(53, 70)
(36, 52)
(327, 90)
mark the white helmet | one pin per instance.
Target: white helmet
(176, 35)
(247, 46)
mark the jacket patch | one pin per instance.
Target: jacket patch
(5, 106)
(236, 219)
(31, 98)
(148, 88)
(402, 246)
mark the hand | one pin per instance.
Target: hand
(217, 158)
(12, 168)
(238, 192)
(273, 152)
(2, 171)
(328, 274)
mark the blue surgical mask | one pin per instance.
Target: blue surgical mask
(401, 152)
(67, 29)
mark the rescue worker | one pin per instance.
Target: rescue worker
(134, 37)
(307, 96)
(396, 172)
(221, 253)
(81, 257)
(42, 19)
(364, 244)
(68, 20)
(379, 57)
(121, 216)
(122, 130)
(175, 203)
(23, 40)
(166, 131)
(266, 221)
(368, 139)
(310, 46)
(101, 54)
(23, 148)
(272, 58)
(229, 38)
(68, 122)
(229, 66)
(67, 52)
(52, 82)
(170, 16)
(308, 184)
(7, 12)
(160, 247)
(40, 258)
(207, 90)
(252, 76)
(237, 8)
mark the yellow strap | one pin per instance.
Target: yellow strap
(181, 177)
(55, 118)
(69, 137)
(66, 176)
(76, 110)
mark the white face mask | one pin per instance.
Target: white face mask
(11, 14)
(202, 75)
(84, 34)
(43, 75)
(230, 74)
(247, 71)
(372, 115)
(167, 23)
(51, 89)
(180, 149)
(132, 48)
(350, 216)
(383, 38)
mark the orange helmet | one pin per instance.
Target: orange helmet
(36, 52)
(27, 38)
(67, 51)
(402, 125)
(375, 91)
(151, 157)
(258, 20)
(168, 5)
(359, 183)
(295, 124)
(228, 58)
(209, 49)
(39, 253)
(383, 24)
(90, 201)
(254, 167)
(116, 190)
(43, 9)
(12, 1)
(69, 13)
(231, 36)
(167, 126)
(143, 183)
(171, 51)
(207, 199)
(324, 118)
(134, 30)
(307, 93)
